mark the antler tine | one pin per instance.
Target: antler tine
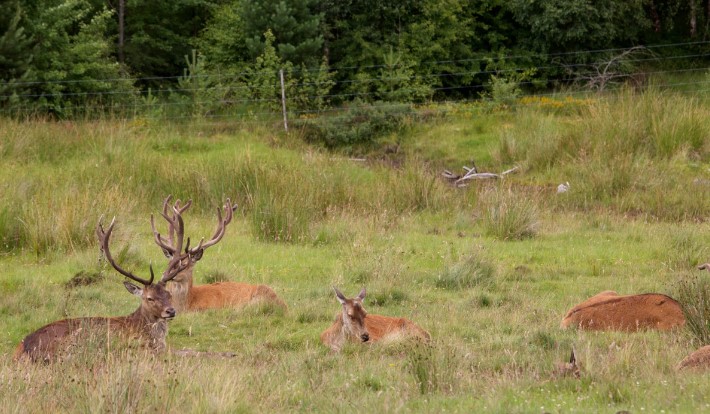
(104, 236)
(159, 240)
(179, 209)
(221, 226)
(180, 229)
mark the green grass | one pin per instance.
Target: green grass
(490, 292)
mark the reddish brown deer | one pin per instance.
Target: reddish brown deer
(610, 311)
(186, 295)
(698, 360)
(356, 325)
(148, 323)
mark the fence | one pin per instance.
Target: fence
(210, 97)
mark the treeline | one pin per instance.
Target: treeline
(58, 56)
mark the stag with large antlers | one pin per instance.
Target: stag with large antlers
(187, 295)
(354, 324)
(148, 323)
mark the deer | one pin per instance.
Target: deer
(698, 360)
(608, 310)
(190, 297)
(354, 324)
(148, 323)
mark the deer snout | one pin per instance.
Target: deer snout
(169, 313)
(365, 337)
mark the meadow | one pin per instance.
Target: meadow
(488, 269)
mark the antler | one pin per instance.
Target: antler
(103, 240)
(219, 232)
(175, 225)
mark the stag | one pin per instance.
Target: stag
(610, 311)
(356, 325)
(148, 323)
(186, 295)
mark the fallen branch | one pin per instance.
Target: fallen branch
(473, 174)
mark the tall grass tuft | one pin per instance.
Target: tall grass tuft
(509, 216)
(468, 272)
(694, 297)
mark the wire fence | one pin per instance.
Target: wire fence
(231, 97)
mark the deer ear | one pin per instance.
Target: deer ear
(362, 294)
(197, 256)
(135, 290)
(339, 296)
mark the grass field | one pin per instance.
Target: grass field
(489, 270)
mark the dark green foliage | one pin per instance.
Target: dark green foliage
(357, 125)
(73, 66)
(16, 53)
(294, 23)
(159, 35)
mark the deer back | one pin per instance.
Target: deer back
(609, 311)
(229, 295)
(382, 327)
(698, 360)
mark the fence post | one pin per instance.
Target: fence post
(283, 98)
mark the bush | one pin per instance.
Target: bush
(360, 124)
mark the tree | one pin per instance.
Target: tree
(16, 53)
(73, 63)
(294, 23)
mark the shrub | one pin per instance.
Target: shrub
(357, 125)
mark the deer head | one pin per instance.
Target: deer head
(155, 299)
(172, 244)
(353, 315)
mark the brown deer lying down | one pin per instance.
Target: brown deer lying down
(186, 295)
(148, 323)
(610, 311)
(356, 325)
(699, 359)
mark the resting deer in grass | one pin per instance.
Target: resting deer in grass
(186, 295)
(356, 325)
(148, 323)
(610, 311)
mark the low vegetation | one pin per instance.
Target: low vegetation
(488, 269)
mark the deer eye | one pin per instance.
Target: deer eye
(150, 299)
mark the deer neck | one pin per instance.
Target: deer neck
(346, 327)
(149, 327)
(180, 288)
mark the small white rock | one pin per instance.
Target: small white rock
(563, 188)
